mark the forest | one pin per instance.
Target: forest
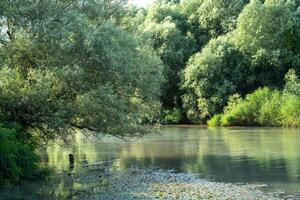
(107, 67)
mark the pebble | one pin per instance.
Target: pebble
(167, 185)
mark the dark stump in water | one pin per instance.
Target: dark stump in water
(71, 162)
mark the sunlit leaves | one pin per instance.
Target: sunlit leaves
(71, 65)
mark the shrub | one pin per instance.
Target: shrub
(269, 114)
(18, 161)
(215, 121)
(290, 111)
(172, 116)
(240, 115)
(264, 107)
(245, 112)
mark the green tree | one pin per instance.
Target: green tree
(267, 45)
(211, 18)
(211, 77)
(167, 29)
(70, 65)
(268, 33)
(218, 17)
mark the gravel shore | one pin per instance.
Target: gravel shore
(99, 184)
(148, 185)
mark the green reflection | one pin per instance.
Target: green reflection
(265, 155)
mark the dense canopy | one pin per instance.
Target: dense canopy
(105, 66)
(69, 64)
(259, 50)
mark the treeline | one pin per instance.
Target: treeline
(212, 49)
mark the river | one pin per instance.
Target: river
(232, 155)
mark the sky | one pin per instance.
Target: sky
(141, 3)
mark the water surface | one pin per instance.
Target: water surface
(244, 155)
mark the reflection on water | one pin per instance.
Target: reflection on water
(247, 155)
(252, 155)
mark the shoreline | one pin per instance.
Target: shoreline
(220, 127)
(159, 184)
(97, 183)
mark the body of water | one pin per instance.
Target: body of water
(237, 155)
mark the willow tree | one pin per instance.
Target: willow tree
(68, 65)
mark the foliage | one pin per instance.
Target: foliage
(18, 160)
(264, 107)
(211, 18)
(246, 112)
(218, 17)
(268, 26)
(172, 116)
(257, 51)
(290, 108)
(292, 85)
(167, 28)
(269, 114)
(215, 121)
(72, 65)
(290, 111)
(268, 33)
(211, 77)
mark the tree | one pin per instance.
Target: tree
(257, 53)
(268, 33)
(69, 65)
(219, 17)
(189, 9)
(211, 77)
(212, 18)
(167, 29)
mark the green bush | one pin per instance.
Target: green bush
(215, 121)
(18, 161)
(245, 112)
(240, 115)
(269, 114)
(290, 108)
(290, 111)
(264, 107)
(172, 116)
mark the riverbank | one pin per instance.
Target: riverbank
(150, 184)
(97, 183)
(158, 184)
